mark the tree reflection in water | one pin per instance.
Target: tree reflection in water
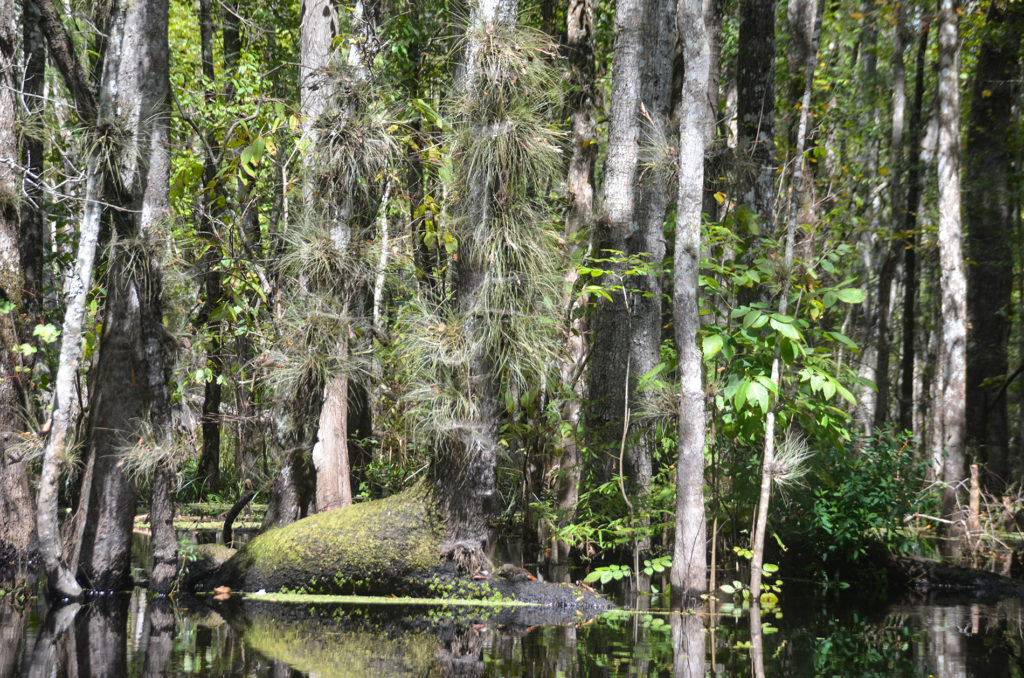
(12, 628)
(689, 639)
(142, 636)
(101, 641)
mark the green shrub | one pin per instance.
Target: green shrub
(856, 498)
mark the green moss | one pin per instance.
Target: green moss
(361, 548)
(322, 599)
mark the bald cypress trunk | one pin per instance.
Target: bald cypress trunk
(17, 522)
(953, 279)
(609, 385)
(468, 495)
(755, 112)
(130, 399)
(989, 182)
(910, 269)
(626, 330)
(61, 49)
(579, 217)
(33, 232)
(322, 64)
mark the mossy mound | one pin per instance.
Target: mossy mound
(370, 548)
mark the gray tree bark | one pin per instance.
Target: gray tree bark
(17, 522)
(631, 223)
(989, 182)
(610, 327)
(319, 57)
(897, 209)
(131, 381)
(910, 206)
(33, 232)
(468, 494)
(60, 579)
(953, 278)
(755, 110)
(689, 556)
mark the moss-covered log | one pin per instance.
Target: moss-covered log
(375, 547)
(387, 547)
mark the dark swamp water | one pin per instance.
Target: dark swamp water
(134, 634)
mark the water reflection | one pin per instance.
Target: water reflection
(140, 636)
(688, 644)
(12, 629)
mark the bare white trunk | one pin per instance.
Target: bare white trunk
(60, 578)
(953, 278)
(689, 560)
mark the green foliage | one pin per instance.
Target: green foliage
(858, 496)
(770, 588)
(743, 340)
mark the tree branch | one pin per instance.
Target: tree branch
(62, 51)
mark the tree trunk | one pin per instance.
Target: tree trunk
(989, 172)
(60, 579)
(580, 189)
(649, 236)
(896, 196)
(319, 56)
(330, 453)
(755, 111)
(609, 384)
(17, 524)
(631, 224)
(130, 379)
(910, 207)
(33, 227)
(689, 558)
(212, 196)
(953, 280)
(468, 494)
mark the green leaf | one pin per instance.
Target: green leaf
(756, 391)
(711, 345)
(47, 332)
(767, 383)
(851, 295)
(751, 317)
(828, 388)
(741, 394)
(841, 338)
(786, 330)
